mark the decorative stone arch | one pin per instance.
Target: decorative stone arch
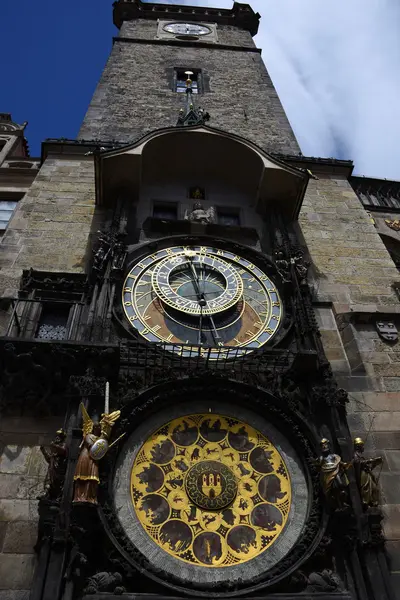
(173, 151)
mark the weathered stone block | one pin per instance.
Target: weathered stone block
(9, 485)
(391, 521)
(393, 549)
(393, 460)
(391, 384)
(387, 440)
(30, 488)
(3, 529)
(37, 464)
(16, 571)
(15, 510)
(395, 580)
(14, 595)
(15, 459)
(390, 484)
(20, 538)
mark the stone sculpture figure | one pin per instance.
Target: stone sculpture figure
(301, 266)
(366, 480)
(333, 475)
(105, 582)
(56, 457)
(282, 266)
(200, 215)
(94, 447)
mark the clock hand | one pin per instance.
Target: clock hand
(202, 301)
(200, 297)
(199, 339)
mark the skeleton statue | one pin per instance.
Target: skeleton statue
(94, 447)
(333, 476)
(56, 458)
(282, 266)
(301, 266)
(101, 254)
(200, 215)
(366, 480)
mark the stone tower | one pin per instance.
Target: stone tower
(196, 322)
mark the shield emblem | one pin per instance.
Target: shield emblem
(387, 331)
(99, 449)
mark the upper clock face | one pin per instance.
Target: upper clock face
(201, 295)
(187, 29)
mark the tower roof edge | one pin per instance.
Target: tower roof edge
(240, 15)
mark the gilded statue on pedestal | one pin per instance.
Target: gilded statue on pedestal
(334, 480)
(94, 447)
(366, 480)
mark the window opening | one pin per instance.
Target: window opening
(181, 79)
(53, 322)
(228, 216)
(167, 211)
(6, 210)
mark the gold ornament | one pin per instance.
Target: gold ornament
(211, 490)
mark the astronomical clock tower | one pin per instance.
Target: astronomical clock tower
(169, 312)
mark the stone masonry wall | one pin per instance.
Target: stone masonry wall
(51, 225)
(22, 472)
(227, 34)
(353, 274)
(134, 95)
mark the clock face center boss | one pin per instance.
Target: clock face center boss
(211, 485)
(205, 296)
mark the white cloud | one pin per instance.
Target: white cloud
(335, 65)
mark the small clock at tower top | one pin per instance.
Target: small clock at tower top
(240, 15)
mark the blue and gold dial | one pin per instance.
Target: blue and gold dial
(201, 295)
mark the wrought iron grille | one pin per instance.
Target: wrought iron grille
(151, 362)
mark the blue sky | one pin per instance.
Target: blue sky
(335, 65)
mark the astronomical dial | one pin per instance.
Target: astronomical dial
(205, 296)
(187, 29)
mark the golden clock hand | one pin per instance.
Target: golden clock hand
(200, 297)
(203, 302)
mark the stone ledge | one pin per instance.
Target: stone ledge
(16, 572)
(304, 596)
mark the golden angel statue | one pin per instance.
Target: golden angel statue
(367, 482)
(333, 476)
(93, 447)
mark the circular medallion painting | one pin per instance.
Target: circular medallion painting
(211, 490)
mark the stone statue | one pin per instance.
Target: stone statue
(301, 266)
(93, 447)
(200, 215)
(101, 255)
(366, 480)
(323, 582)
(56, 457)
(282, 266)
(105, 582)
(333, 475)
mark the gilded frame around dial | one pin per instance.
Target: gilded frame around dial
(242, 309)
